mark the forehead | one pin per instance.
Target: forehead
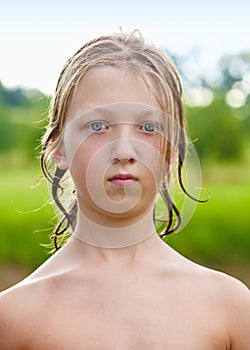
(106, 85)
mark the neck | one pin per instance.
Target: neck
(106, 236)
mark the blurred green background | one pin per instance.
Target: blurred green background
(218, 118)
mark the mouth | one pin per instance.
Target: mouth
(122, 180)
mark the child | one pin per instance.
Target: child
(117, 124)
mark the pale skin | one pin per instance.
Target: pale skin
(145, 296)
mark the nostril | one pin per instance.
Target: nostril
(123, 151)
(132, 160)
(124, 160)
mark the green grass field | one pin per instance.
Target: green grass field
(219, 230)
(25, 216)
(218, 234)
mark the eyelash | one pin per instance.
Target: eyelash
(104, 126)
(156, 127)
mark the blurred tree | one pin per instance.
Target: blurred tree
(223, 126)
(234, 68)
(12, 97)
(235, 82)
(216, 133)
(20, 115)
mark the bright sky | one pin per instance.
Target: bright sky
(36, 38)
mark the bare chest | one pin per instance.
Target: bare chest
(130, 318)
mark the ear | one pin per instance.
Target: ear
(60, 158)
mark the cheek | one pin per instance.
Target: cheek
(152, 181)
(89, 166)
(80, 163)
(153, 163)
(163, 154)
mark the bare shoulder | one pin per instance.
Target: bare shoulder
(224, 284)
(12, 313)
(218, 285)
(232, 300)
(235, 299)
(20, 306)
(233, 292)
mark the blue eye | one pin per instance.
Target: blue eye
(97, 126)
(149, 127)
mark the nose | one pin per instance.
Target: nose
(123, 151)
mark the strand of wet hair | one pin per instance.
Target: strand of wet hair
(61, 228)
(171, 210)
(180, 166)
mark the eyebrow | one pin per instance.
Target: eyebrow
(111, 111)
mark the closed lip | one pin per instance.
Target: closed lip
(122, 177)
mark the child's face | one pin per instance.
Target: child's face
(112, 143)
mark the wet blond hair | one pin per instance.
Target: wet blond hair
(120, 51)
